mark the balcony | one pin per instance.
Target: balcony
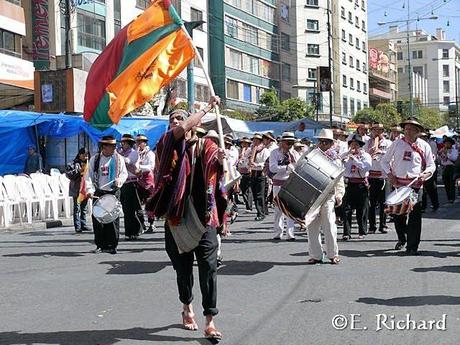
(373, 92)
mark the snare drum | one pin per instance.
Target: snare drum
(401, 201)
(106, 208)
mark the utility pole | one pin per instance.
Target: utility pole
(329, 46)
(68, 47)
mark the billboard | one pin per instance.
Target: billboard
(379, 61)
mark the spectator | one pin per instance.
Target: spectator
(33, 162)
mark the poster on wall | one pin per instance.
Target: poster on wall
(40, 34)
(325, 82)
(47, 93)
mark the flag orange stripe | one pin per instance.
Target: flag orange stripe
(154, 17)
(143, 79)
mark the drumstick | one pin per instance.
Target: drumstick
(107, 184)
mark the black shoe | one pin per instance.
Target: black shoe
(383, 231)
(113, 251)
(399, 245)
(85, 229)
(150, 229)
(412, 252)
(435, 208)
(371, 232)
(97, 251)
(78, 231)
(259, 218)
(292, 239)
(276, 238)
(346, 237)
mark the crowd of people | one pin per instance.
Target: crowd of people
(181, 182)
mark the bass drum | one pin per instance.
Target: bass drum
(106, 208)
(309, 185)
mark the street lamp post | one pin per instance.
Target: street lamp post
(408, 21)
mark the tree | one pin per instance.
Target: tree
(384, 113)
(272, 108)
(430, 118)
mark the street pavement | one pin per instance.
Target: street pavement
(55, 291)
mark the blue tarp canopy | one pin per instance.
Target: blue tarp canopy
(19, 130)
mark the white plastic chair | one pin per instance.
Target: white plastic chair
(58, 192)
(4, 205)
(12, 197)
(55, 172)
(45, 194)
(29, 197)
(65, 185)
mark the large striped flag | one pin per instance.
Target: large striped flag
(144, 56)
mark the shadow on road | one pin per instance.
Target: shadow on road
(412, 301)
(45, 254)
(135, 267)
(100, 337)
(449, 269)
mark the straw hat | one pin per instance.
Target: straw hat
(245, 140)
(127, 137)
(141, 137)
(212, 134)
(108, 140)
(326, 133)
(377, 126)
(396, 129)
(288, 136)
(200, 130)
(413, 122)
(269, 135)
(358, 139)
(257, 136)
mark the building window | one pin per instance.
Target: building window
(357, 21)
(364, 46)
(91, 30)
(365, 88)
(446, 86)
(142, 4)
(446, 100)
(445, 53)
(286, 72)
(364, 67)
(400, 56)
(445, 70)
(311, 74)
(350, 39)
(418, 70)
(247, 93)
(250, 34)
(352, 84)
(400, 70)
(351, 61)
(344, 58)
(313, 49)
(352, 106)
(251, 64)
(285, 41)
(195, 60)
(417, 54)
(350, 17)
(196, 16)
(235, 59)
(231, 27)
(284, 12)
(201, 93)
(358, 86)
(363, 25)
(342, 12)
(344, 36)
(358, 105)
(358, 65)
(357, 43)
(345, 105)
(116, 16)
(344, 81)
(10, 43)
(312, 3)
(232, 89)
(312, 25)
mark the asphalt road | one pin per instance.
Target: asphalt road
(54, 291)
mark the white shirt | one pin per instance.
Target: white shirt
(232, 154)
(403, 162)
(103, 174)
(384, 144)
(271, 147)
(357, 166)
(449, 157)
(341, 147)
(131, 159)
(243, 163)
(278, 162)
(146, 160)
(259, 159)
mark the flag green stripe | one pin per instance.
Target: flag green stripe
(100, 118)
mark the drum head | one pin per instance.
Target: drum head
(398, 195)
(106, 209)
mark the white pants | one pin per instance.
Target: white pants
(324, 221)
(278, 225)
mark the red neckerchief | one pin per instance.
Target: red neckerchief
(417, 149)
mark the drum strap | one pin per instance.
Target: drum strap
(417, 149)
(97, 163)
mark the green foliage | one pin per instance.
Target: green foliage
(384, 113)
(269, 99)
(240, 115)
(181, 105)
(273, 109)
(430, 118)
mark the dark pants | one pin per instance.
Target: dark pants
(79, 214)
(377, 198)
(430, 189)
(449, 181)
(356, 197)
(106, 235)
(206, 257)
(409, 227)
(245, 188)
(131, 207)
(258, 192)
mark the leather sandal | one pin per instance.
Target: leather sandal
(189, 323)
(212, 334)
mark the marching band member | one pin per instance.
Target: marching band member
(340, 141)
(232, 159)
(396, 133)
(282, 161)
(129, 198)
(243, 168)
(106, 175)
(270, 143)
(357, 164)
(259, 155)
(430, 188)
(377, 146)
(145, 176)
(361, 130)
(407, 159)
(448, 155)
(324, 218)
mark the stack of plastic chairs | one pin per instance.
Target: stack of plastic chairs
(48, 200)
(4, 205)
(29, 197)
(59, 193)
(12, 200)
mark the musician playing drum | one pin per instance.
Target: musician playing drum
(377, 146)
(106, 175)
(407, 159)
(357, 164)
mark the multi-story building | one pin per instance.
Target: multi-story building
(332, 34)
(383, 73)
(245, 56)
(433, 58)
(16, 73)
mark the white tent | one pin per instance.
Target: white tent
(442, 131)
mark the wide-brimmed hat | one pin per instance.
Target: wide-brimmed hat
(141, 137)
(396, 129)
(108, 140)
(257, 136)
(127, 137)
(200, 130)
(269, 135)
(326, 133)
(228, 140)
(362, 124)
(357, 138)
(212, 134)
(413, 122)
(377, 126)
(288, 136)
(245, 140)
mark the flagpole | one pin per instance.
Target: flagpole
(220, 131)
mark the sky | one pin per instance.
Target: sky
(448, 11)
